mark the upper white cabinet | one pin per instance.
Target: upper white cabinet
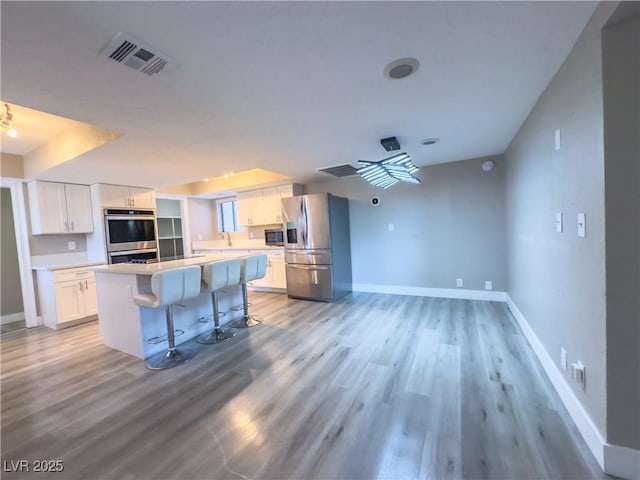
(250, 208)
(119, 196)
(264, 207)
(59, 208)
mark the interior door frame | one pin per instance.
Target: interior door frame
(16, 186)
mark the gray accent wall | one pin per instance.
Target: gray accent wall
(621, 80)
(450, 226)
(11, 299)
(557, 280)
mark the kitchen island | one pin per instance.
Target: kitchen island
(142, 331)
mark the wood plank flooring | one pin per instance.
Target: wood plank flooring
(373, 386)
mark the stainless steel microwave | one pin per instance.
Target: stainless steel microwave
(274, 237)
(128, 230)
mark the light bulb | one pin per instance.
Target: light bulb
(12, 132)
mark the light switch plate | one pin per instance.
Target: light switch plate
(557, 139)
(459, 282)
(563, 359)
(559, 222)
(582, 225)
(392, 227)
(488, 285)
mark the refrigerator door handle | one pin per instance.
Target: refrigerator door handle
(309, 267)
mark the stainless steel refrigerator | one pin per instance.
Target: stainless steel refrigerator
(317, 246)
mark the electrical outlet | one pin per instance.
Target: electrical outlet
(72, 245)
(392, 227)
(563, 358)
(459, 282)
(557, 140)
(488, 285)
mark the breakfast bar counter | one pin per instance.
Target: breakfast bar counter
(142, 331)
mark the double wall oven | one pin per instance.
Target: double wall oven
(130, 235)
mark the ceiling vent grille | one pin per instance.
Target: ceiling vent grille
(340, 170)
(134, 54)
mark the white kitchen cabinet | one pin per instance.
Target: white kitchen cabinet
(278, 271)
(264, 207)
(59, 208)
(250, 208)
(275, 279)
(119, 196)
(143, 197)
(67, 295)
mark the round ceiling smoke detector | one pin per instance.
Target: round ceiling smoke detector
(401, 68)
(429, 141)
(488, 165)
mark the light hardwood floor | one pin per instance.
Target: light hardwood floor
(373, 386)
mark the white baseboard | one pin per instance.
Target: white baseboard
(621, 461)
(588, 430)
(11, 317)
(490, 295)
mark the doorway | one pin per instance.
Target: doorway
(11, 305)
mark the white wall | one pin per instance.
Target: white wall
(450, 226)
(202, 219)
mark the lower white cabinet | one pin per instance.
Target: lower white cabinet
(276, 276)
(67, 296)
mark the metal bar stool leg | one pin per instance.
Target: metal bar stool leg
(173, 356)
(246, 320)
(218, 334)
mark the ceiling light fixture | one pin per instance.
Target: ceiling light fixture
(401, 68)
(6, 122)
(389, 171)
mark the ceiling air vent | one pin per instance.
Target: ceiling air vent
(340, 170)
(128, 51)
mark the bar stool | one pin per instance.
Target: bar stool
(218, 275)
(169, 287)
(253, 267)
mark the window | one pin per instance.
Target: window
(228, 216)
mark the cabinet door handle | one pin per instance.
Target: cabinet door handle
(72, 227)
(66, 226)
(86, 285)
(81, 289)
(133, 202)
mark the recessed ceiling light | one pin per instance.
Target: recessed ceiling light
(430, 141)
(205, 179)
(401, 68)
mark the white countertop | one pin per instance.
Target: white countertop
(66, 266)
(151, 268)
(237, 244)
(61, 261)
